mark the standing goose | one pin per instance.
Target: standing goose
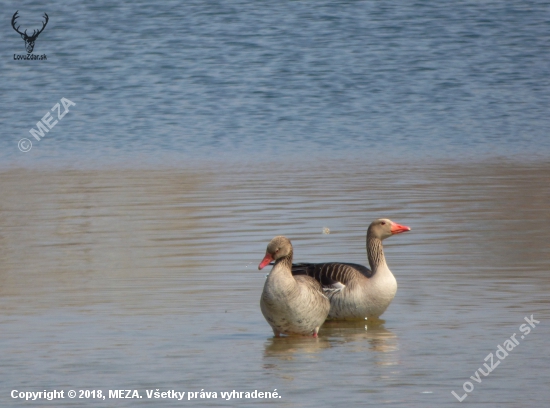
(356, 291)
(291, 304)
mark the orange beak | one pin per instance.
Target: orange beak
(267, 259)
(398, 229)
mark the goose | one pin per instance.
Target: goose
(291, 304)
(355, 291)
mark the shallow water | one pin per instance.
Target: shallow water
(147, 278)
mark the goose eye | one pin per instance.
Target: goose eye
(382, 223)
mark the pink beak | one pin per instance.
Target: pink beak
(398, 229)
(267, 259)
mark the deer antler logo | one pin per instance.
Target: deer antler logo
(29, 40)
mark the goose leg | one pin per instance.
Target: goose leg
(277, 333)
(316, 331)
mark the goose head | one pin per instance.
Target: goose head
(278, 247)
(383, 228)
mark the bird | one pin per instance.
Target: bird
(292, 305)
(355, 291)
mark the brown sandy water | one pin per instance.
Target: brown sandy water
(145, 279)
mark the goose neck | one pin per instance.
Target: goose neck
(284, 263)
(375, 253)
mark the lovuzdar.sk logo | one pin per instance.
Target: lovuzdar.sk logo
(29, 39)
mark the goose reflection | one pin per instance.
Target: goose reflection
(365, 335)
(286, 347)
(355, 336)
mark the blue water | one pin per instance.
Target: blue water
(176, 81)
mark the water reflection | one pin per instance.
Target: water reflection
(371, 336)
(286, 347)
(356, 336)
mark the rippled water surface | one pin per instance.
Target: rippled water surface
(131, 232)
(180, 80)
(144, 279)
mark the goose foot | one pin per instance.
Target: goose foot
(316, 331)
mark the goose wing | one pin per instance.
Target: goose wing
(334, 276)
(313, 285)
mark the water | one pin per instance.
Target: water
(144, 279)
(130, 235)
(176, 81)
